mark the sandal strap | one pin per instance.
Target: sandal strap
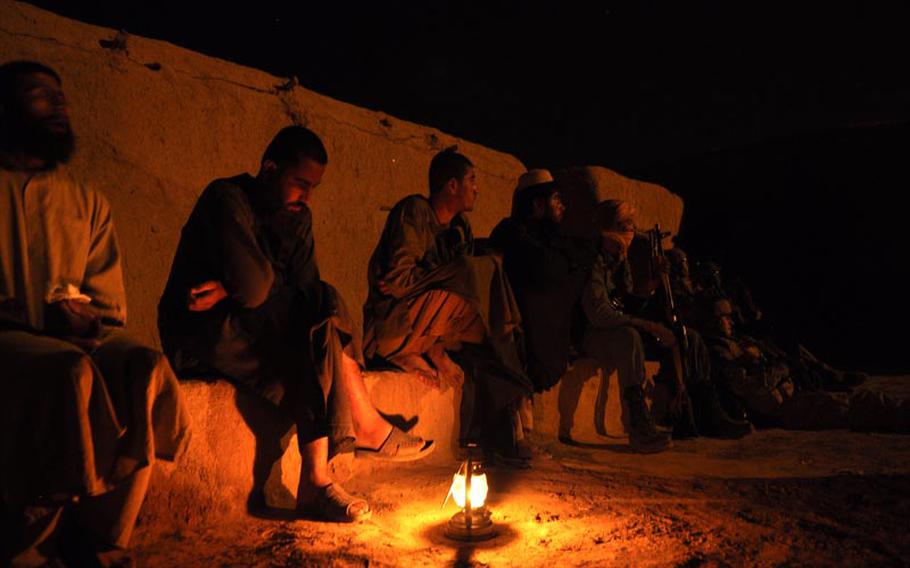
(401, 440)
(398, 446)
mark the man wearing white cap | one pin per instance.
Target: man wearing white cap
(547, 271)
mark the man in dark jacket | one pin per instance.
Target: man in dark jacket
(245, 301)
(547, 271)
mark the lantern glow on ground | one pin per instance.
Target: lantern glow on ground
(808, 498)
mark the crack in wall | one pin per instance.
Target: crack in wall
(295, 115)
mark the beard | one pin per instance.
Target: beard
(39, 139)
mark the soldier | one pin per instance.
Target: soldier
(807, 371)
(614, 336)
(765, 388)
(681, 283)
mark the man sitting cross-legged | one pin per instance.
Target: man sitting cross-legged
(431, 296)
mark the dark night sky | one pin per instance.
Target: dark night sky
(785, 128)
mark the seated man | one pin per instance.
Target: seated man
(85, 409)
(807, 371)
(547, 271)
(431, 295)
(765, 389)
(244, 301)
(614, 336)
(684, 293)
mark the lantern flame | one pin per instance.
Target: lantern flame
(478, 490)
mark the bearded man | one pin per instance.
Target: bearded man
(85, 409)
(245, 301)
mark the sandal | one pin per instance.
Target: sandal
(336, 505)
(398, 446)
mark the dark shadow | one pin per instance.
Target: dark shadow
(399, 421)
(463, 556)
(580, 196)
(275, 514)
(378, 364)
(618, 448)
(464, 551)
(569, 395)
(459, 424)
(273, 429)
(600, 404)
(570, 388)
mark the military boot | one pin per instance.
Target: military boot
(713, 421)
(644, 437)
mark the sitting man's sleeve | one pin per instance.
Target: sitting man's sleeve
(406, 243)
(247, 273)
(547, 262)
(596, 303)
(302, 269)
(102, 281)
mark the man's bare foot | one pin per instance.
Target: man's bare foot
(375, 437)
(416, 364)
(450, 374)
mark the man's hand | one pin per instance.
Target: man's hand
(81, 322)
(204, 296)
(653, 282)
(752, 352)
(74, 322)
(662, 334)
(71, 318)
(384, 287)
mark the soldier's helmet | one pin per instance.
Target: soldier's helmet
(709, 276)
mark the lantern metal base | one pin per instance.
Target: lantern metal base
(480, 527)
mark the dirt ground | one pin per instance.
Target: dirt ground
(774, 498)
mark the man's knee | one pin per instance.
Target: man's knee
(628, 339)
(123, 355)
(76, 365)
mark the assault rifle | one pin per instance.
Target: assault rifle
(680, 406)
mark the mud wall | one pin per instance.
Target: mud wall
(156, 123)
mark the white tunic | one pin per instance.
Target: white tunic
(57, 242)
